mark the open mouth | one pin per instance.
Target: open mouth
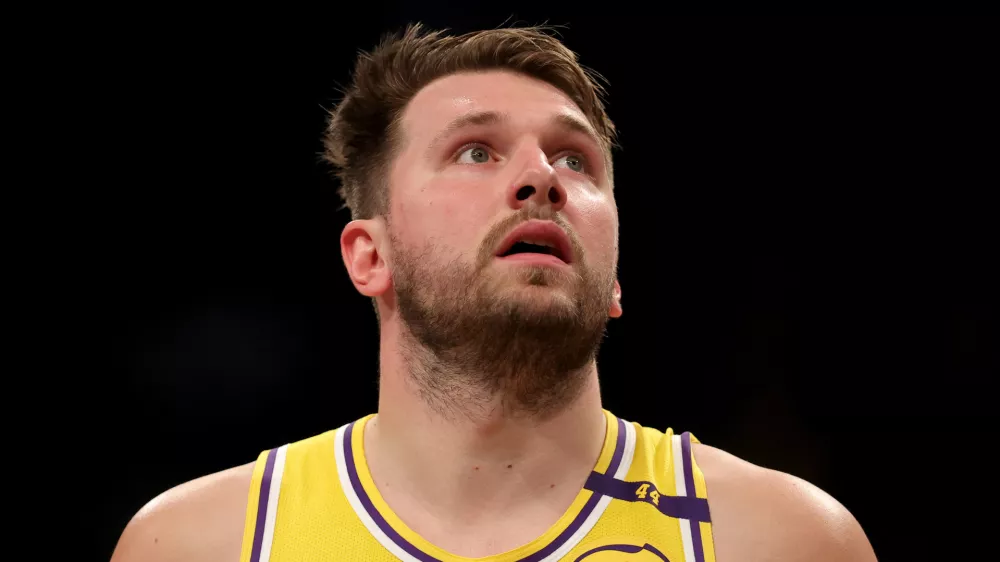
(530, 248)
(537, 241)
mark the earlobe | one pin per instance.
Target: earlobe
(359, 247)
(616, 304)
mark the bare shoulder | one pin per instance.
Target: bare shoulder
(199, 520)
(760, 514)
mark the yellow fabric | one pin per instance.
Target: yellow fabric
(316, 521)
(251, 520)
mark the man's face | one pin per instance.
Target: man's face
(457, 191)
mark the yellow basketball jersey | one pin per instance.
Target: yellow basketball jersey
(645, 500)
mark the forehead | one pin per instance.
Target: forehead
(526, 99)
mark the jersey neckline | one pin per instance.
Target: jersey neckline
(614, 460)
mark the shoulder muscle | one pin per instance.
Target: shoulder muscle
(199, 520)
(763, 514)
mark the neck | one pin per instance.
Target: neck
(465, 468)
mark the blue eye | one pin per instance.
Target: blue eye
(474, 155)
(573, 162)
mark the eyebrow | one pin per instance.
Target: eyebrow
(574, 125)
(562, 121)
(477, 118)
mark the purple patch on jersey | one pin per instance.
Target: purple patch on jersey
(678, 507)
(265, 492)
(626, 548)
(699, 552)
(395, 537)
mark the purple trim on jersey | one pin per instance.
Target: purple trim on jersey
(626, 548)
(678, 507)
(653, 549)
(395, 537)
(352, 472)
(616, 458)
(588, 508)
(699, 549)
(265, 493)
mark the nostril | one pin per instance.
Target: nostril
(525, 192)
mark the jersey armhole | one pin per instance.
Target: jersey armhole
(253, 503)
(701, 491)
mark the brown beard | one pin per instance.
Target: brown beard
(472, 338)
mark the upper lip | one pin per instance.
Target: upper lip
(540, 230)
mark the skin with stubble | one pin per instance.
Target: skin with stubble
(482, 333)
(490, 417)
(488, 384)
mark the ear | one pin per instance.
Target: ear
(360, 245)
(616, 304)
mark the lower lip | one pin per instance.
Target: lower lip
(534, 259)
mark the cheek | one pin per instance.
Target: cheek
(439, 217)
(598, 227)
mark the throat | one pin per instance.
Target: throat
(479, 527)
(478, 505)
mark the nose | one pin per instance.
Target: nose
(537, 183)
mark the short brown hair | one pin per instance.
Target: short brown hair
(363, 130)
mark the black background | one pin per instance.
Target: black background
(805, 250)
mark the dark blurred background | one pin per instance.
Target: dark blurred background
(806, 257)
